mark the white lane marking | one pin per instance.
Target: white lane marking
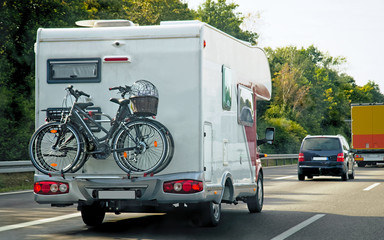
(279, 178)
(372, 186)
(298, 227)
(37, 222)
(9, 193)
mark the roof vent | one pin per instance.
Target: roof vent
(105, 23)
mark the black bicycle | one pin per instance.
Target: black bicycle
(138, 144)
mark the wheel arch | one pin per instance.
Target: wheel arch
(227, 195)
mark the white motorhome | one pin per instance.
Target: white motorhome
(209, 84)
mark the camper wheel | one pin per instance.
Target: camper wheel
(255, 203)
(209, 214)
(92, 215)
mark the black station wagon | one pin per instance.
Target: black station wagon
(327, 155)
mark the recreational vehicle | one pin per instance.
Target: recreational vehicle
(208, 83)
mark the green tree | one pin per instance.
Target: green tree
(310, 93)
(222, 15)
(19, 22)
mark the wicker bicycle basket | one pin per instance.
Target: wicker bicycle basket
(144, 98)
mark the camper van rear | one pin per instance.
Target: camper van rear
(208, 83)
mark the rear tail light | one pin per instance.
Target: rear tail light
(340, 157)
(50, 188)
(183, 186)
(301, 157)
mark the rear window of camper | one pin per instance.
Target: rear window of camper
(73, 70)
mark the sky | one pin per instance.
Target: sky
(353, 29)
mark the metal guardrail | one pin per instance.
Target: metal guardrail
(281, 156)
(16, 166)
(279, 159)
(26, 166)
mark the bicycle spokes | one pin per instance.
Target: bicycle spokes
(140, 147)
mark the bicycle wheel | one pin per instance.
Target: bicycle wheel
(170, 142)
(55, 148)
(140, 146)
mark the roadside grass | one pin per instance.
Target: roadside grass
(10, 182)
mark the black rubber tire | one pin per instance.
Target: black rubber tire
(255, 203)
(359, 164)
(344, 176)
(352, 175)
(301, 177)
(152, 155)
(171, 144)
(63, 157)
(210, 214)
(92, 215)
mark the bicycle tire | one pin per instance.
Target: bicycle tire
(171, 144)
(52, 152)
(83, 156)
(144, 155)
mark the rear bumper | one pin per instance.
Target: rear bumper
(119, 192)
(321, 170)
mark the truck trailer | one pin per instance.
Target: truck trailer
(209, 84)
(368, 133)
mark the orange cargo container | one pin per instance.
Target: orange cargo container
(368, 133)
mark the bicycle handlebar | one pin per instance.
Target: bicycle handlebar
(76, 93)
(122, 90)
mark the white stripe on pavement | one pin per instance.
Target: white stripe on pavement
(37, 222)
(279, 178)
(298, 227)
(10, 193)
(372, 186)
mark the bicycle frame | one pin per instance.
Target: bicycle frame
(77, 115)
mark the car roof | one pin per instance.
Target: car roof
(324, 136)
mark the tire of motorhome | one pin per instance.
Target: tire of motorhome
(92, 215)
(210, 214)
(145, 155)
(50, 155)
(255, 203)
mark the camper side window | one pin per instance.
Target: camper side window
(73, 70)
(227, 88)
(245, 110)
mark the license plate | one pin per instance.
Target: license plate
(116, 194)
(320, 158)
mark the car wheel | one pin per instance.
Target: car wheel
(92, 215)
(301, 177)
(344, 177)
(255, 203)
(360, 164)
(352, 175)
(207, 214)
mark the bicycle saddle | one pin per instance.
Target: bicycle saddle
(84, 105)
(120, 101)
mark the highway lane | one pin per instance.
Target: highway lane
(322, 208)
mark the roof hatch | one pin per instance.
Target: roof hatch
(105, 23)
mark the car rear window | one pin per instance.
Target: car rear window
(321, 144)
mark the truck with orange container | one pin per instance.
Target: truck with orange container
(368, 133)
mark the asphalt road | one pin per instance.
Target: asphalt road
(322, 208)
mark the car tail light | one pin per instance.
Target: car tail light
(301, 157)
(183, 186)
(340, 157)
(50, 188)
